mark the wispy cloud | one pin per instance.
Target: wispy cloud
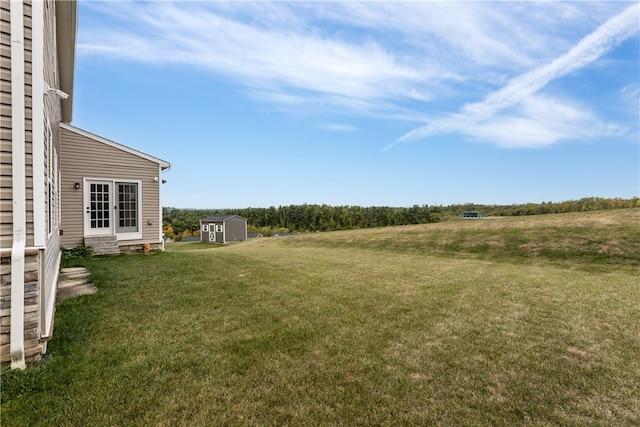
(539, 121)
(268, 55)
(521, 88)
(410, 61)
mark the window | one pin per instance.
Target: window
(219, 228)
(205, 227)
(52, 181)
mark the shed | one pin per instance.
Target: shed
(223, 228)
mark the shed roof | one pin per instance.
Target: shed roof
(220, 218)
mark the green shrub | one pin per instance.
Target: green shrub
(77, 252)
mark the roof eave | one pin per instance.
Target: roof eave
(66, 32)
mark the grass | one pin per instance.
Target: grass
(519, 321)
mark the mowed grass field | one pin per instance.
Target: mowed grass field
(494, 322)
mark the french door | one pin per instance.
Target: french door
(98, 212)
(112, 207)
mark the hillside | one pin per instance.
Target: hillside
(609, 237)
(312, 218)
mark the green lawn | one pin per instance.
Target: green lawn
(512, 321)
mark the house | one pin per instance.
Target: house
(110, 194)
(284, 234)
(223, 228)
(37, 53)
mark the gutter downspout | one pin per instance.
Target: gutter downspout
(18, 170)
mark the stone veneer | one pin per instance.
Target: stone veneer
(33, 346)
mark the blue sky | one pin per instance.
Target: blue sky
(372, 104)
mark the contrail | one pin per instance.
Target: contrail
(590, 48)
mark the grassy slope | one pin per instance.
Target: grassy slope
(588, 239)
(495, 322)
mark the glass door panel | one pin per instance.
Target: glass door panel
(128, 207)
(98, 218)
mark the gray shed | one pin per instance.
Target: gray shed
(223, 228)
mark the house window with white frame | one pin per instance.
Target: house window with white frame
(205, 227)
(218, 228)
(52, 181)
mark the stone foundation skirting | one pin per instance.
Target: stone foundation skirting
(139, 247)
(33, 346)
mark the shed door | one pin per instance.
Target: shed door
(97, 200)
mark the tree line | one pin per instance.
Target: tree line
(178, 223)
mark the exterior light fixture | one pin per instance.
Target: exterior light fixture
(58, 92)
(76, 185)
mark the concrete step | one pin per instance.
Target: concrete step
(76, 275)
(69, 271)
(73, 282)
(64, 283)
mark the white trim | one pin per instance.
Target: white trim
(129, 236)
(37, 123)
(163, 165)
(160, 224)
(19, 170)
(50, 303)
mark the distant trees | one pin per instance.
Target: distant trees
(312, 218)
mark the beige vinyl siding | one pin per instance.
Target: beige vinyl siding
(83, 157)
(6, 190)
(6, 199)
